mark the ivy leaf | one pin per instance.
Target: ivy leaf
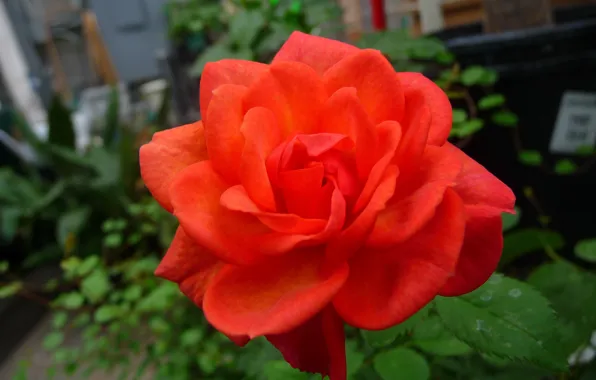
(473, 75)
(60, 319)
(586, 250)
(191, 337)
(70, 301)
(467, 128)
(505, 318)
(96, 286)
(53, 340)
(87, 265)
(505, 119)
(528, 240)
(401, 364)
(511, 220)
(10, 289)
(530, 157)
(385, 337)
(107, 313)
(491, 101)
(565, 167)
(459, 116)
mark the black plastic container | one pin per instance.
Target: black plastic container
(536, 67)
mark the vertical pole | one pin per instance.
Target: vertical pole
(379, 19)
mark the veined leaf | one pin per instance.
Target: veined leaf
(385, 337)
(505, 318)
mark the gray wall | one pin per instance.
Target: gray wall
(134, 32)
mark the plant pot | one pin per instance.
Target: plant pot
(536, 67)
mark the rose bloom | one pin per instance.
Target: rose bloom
(321, 190)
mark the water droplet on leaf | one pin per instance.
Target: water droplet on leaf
(515, 293)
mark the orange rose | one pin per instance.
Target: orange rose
(318, 190)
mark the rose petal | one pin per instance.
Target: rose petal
(226, 71)
(478, 187)
(189, 265)
(317, 52)
(386, 287)
(303, 193)
(344, 115)
(235, 237)
(272, 298)
(373, 77)
(352, 238)
(416, 198)
(236, 198)
(224, 139)
(414, 142)
(480, 254)
(389, 133)
(293, 92)
(169, 152)
(317, 346)
(261, 135)
(420, 90)
(232, 236)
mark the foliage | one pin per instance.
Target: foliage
(189, 21)
(256, 29)
(108, 236)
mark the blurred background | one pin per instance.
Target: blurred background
(84, 83)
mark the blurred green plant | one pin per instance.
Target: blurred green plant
(256, 29)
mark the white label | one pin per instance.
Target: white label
(576, 123)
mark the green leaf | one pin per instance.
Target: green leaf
(505, 119)
(571, 293)
(71, 301)
(354, 358)
(385, 337)
(133, 293)
(280, 370)
(565, 166)
(61, 130)
(530, 157)
(505, 318)
(401, 364)
(107, 313)
(491, 101)
(113, 240)
(431, 337)
(112, 117)
(70, 223)
(53, 340)
(473, 75)
(96, 286)
(86, 266)
(9, 221)
(191, 337)
(528, 240)
(159, 299)
(52, 195)
(10, 289)
(4, 266)
(467, 128)
(459, 115)
(107, 166)
(585, 150)
(586, 250)
(217, 52)
(60, 319)
(245, 26)
(511, 220)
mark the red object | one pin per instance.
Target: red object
(320, 191)
(379, 19)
